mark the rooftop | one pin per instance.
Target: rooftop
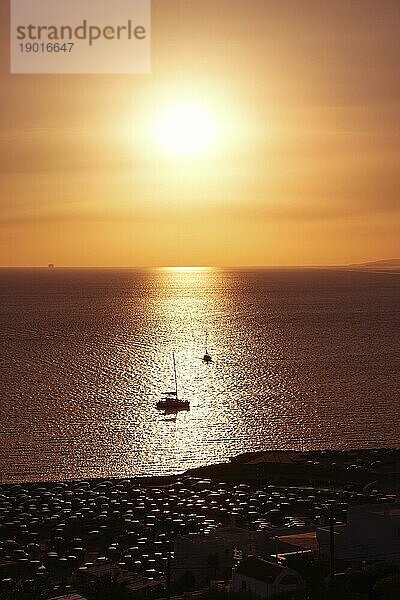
(306, 541)
(69, 596)
(258, 568)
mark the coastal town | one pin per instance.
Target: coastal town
(315, 525)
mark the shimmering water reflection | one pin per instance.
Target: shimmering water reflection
(301, 359)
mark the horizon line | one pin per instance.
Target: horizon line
(50, 266)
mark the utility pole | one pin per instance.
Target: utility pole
(332, 542)
(169, 575)
(276, 547)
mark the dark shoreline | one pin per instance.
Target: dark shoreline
(335, 468)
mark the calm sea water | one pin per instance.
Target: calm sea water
(302, 359)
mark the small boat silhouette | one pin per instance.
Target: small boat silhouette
(207, 356)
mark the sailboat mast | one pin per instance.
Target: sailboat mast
(176, 380)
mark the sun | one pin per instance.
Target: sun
(186, 130)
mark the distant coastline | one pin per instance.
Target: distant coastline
(389, 264)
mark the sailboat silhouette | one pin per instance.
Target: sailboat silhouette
(171, 402)
(207, 356)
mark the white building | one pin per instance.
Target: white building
(372, 533)
(206, 557)
(264, 579)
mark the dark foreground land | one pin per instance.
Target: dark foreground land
(351, 469)
(57, 536)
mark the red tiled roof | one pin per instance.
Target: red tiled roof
(307, 541)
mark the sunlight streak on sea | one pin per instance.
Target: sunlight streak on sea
(301, 359)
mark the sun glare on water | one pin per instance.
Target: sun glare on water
(186, 130)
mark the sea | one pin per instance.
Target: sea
(301, 359)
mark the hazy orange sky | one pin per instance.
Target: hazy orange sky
(304, 169)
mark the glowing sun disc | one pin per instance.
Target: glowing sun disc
(186, 130)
